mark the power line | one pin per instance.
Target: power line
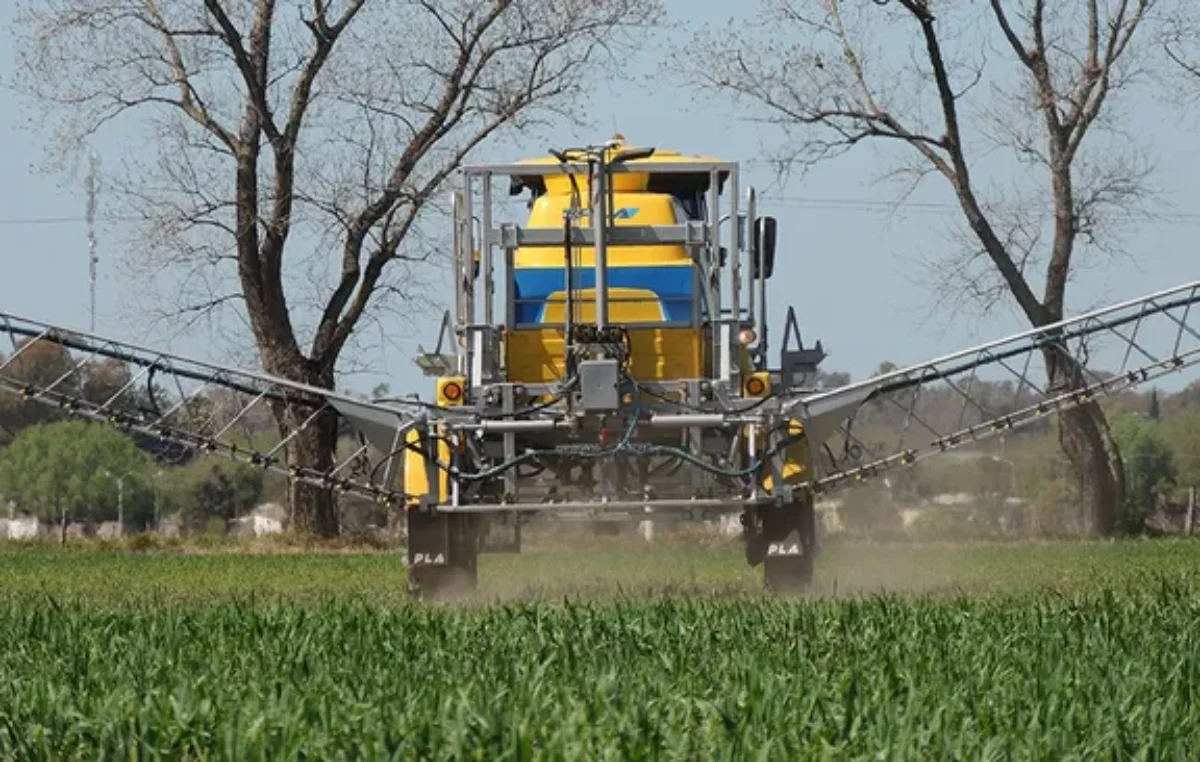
(47, 220)
(873, 205)
(787, 202)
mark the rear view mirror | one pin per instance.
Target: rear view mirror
(764, 237)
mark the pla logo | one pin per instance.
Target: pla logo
(428, 559)
(782, 549)
(624, 213)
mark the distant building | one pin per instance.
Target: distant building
(268, 518)
(21, 528)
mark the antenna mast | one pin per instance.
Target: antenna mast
(91, 235)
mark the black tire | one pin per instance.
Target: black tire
(790, 575)
(436, 583)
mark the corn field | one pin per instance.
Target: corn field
(1105, 673)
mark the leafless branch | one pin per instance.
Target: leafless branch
(280, 130)
(820, 76)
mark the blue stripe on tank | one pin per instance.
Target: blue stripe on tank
(672, 284)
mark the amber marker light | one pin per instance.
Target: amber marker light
(452, 391)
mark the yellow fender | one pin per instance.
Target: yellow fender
(451, 392)
(796, 455)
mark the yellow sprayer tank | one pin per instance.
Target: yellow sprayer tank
(652, 289)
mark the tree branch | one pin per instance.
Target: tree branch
(325, 37)
(458, 88)
(189, 100)
(254, 63)
(961, 178)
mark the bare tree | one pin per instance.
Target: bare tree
(1181, 42)
(291, 148)
(958, 87)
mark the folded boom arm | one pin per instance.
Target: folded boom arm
(193, 405)
(904, 416)
(861, 429)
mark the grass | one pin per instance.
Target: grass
(1054, 650)
(604, 570)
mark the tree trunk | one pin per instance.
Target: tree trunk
(313, 507)
(1088, 443)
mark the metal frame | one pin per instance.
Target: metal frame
(481, 332)
(698, 236)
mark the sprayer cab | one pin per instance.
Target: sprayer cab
(612, 348)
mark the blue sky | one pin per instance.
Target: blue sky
(843, 262)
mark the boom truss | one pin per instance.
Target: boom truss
(907, 415)
(863, 429)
